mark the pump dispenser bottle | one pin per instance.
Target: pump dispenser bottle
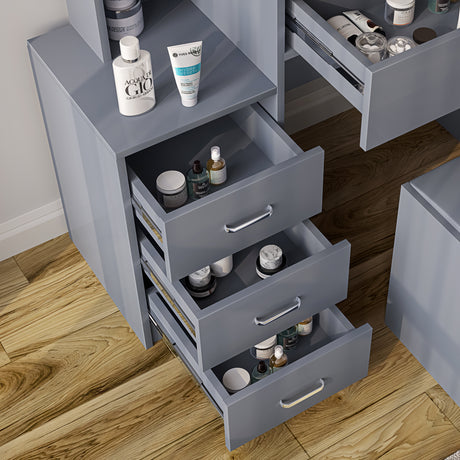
(216, 167)
(133, 78)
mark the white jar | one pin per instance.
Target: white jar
(171, 186)
(121, 23)
(399, 12)
(265, 349)
(222, 267)
(200, 278)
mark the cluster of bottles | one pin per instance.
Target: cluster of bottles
(287, 340)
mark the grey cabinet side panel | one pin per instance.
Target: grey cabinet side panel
(257, 28)
(424, 292)
(452, 123)
(88, 19)
(95, 194)
(396, 97)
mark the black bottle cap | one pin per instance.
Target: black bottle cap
(423, 35)
(262, 367)
(197, 167)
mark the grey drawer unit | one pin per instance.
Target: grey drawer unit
(271, 185)
(334, 356)
(244, 309)
(395, 95)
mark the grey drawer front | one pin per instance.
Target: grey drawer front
(258, 408)
(398, 94)
(195, 235)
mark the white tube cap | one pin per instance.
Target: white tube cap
(129, 48)
(189, 102)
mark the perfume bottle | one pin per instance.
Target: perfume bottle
(198, 181)
(216, 166)
(288, 338)
(278, 360)
(133, 78)
(259, 372)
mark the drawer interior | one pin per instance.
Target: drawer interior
(248, 145)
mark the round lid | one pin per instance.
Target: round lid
(267, 343)
(236, 379)
(423, 35)
(279, 351)
(169, 182)
(270, 256)
(129, 48)
(215, 153)
(401, 4)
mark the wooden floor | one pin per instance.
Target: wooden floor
(76, 383)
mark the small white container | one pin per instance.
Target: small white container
(200, 278)
(236, 379)
(117, 5)
(270, 257)
(265, 349)
(399, 44)
(171, 186)
(222, 267)
(305, 327)
(399, 12)
(121, 23)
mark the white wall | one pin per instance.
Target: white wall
(30, 207)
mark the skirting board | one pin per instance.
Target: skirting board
(312, 103)
(32, 228)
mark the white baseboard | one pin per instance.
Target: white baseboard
(312, 103)
(32, 228)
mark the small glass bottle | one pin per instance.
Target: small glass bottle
(198, 181)
(216, 166)
(278, 360)
(305, 327)
(259, 372)
(399, 12)
(439, 6)
(288, 338)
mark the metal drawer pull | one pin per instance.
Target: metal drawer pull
(289, 404)
(264, 322)
(236, 228)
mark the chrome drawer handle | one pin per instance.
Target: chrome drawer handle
(236, 228)
(264, 322)
(289, 404)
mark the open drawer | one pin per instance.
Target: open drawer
(244, 309)
(395, 95)
(271, 185)
(332, 357)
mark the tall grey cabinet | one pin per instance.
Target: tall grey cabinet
(107, 165)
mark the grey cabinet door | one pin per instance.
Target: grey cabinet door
(395, 95)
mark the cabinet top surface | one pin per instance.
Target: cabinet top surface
(229, 80)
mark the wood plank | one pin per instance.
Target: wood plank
(395, 377)
(416, 430)
(207, 442)
(38, 387)
(48, 258)
(53, 307)
(132, 420)
(445, 404)
(12, 281)
(4, 359)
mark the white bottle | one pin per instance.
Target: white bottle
(133, 78)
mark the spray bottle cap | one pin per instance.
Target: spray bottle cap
(279, 351)
(129, 48)
(215, 153)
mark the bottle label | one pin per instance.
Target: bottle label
(201, 187)
(403, 17)
(289, 341)
(218, 176)
(343, 26)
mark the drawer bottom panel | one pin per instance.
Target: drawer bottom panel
(332, 357)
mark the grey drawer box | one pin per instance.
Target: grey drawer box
(244, 309)
(334, 356)
(265, 168)
(395, 95)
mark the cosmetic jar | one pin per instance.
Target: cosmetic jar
(399, 12)
(423, 35)
(125, 22)
(398, 45)
(305, 327)
(172, 191)
(271, 260)
(201, 283)
(222, 267)
(117, 5)
(373, 45)
(265, 349)
(236, 379)
(288, 338)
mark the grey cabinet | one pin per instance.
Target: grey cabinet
(395, 95)
(107, 165)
